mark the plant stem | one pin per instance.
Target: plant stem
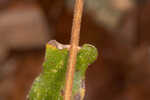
(75, 35)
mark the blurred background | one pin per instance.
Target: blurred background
(118, 28)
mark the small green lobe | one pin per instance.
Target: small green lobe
(49, 85)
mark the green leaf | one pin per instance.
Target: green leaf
(49, 85)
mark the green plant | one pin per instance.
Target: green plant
(50, 84)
